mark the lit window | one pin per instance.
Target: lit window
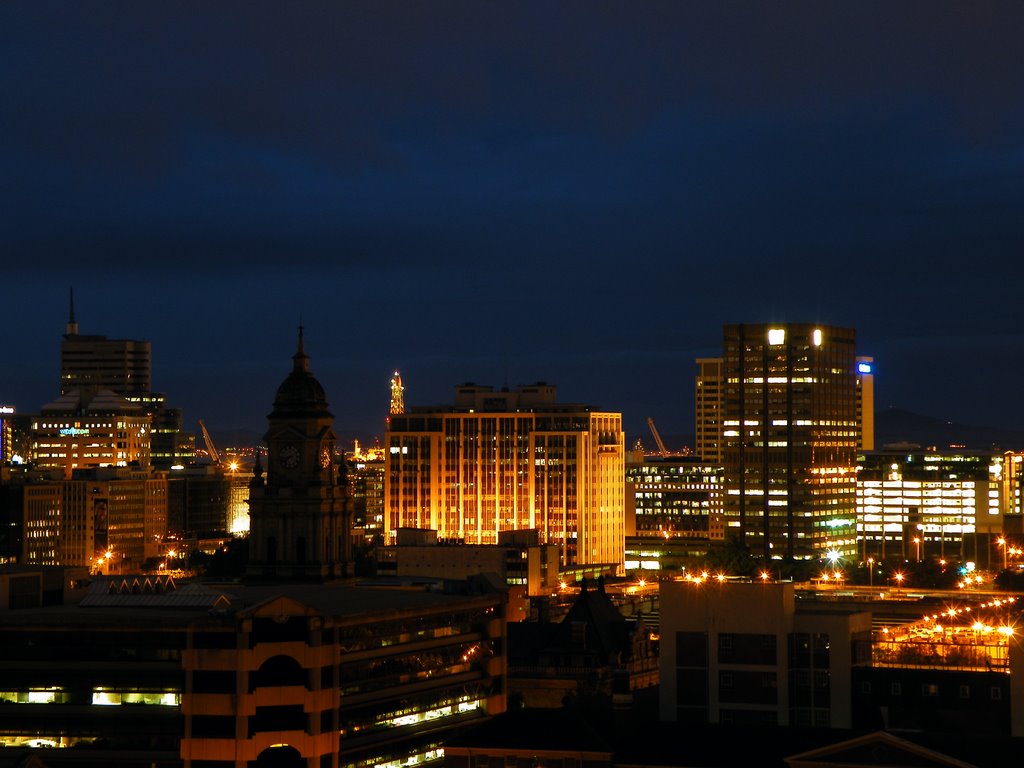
(776, 336)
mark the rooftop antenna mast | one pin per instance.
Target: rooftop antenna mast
(72, 326)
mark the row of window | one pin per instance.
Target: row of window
(931, 690)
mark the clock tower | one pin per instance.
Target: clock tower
(300, 515)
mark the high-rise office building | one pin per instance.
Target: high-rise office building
(866, 402)
(109, 519)
(506, 460)
(366, 473)
(6, 433)
(708, 425)
(710, 388)
(91, 363)
(790, 434)
(96, 362)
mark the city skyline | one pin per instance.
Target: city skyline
(582, 195)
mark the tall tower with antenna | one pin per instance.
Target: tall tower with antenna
(72, 326)
(397, 394)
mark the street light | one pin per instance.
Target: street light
(871, 572)
(917, 547)
(1002, 543)
(899, 580)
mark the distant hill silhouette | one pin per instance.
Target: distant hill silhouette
(894, 425)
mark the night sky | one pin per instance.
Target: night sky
(581, 193)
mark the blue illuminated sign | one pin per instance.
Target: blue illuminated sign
(863, 367)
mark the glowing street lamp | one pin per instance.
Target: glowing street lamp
(765, 576)
(1002, 543)
(899, 579)
(917, 547)
(871, 572)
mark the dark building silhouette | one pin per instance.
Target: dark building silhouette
(300, 516)
(594, 655)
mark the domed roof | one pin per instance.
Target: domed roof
(300, 394)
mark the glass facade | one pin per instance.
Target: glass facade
(790, 434)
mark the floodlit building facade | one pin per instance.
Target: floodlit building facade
(866, 402)
(6, 433)
(506, 460)
(790, 433)
(709, 390)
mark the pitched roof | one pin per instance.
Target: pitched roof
(875, 749)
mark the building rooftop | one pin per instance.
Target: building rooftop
(107, 602)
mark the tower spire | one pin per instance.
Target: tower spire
(300, 358)
(72, 326)
(397, 394)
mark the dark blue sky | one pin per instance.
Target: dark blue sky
(576, 192)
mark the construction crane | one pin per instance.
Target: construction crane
(210, 447)
(654, 431)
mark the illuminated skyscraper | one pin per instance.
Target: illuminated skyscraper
(508, 460)
(866, 402)
(790, 434)
(6, 433)
(397, 394)
(708, 399)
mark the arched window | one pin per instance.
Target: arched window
(277, 672)
(279, 756)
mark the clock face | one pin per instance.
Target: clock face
(289, 456)
(325, 458)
